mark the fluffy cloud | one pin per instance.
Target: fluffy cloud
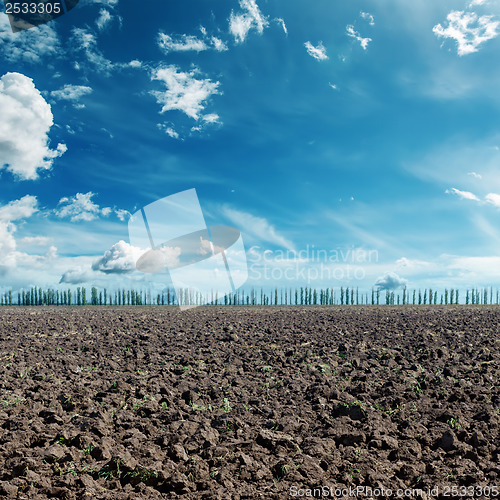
(123, 215)
(258, 227)
(477, 2)
(318, 52)
(25, 122)
(468, 30)
(465, 195)
(14, 211)
(86, 42)
(72, 93)
(186, 43)
(31, 45)
(76, 276)
(351, 32)
(19, 209)
(475, 175)
(368, 17)
(490, 198)
(390, 281)
(218, 44)
(184, 92)
(104, 19)
(169, 131)
(251, 18)
(80, 208)
(493, 199)
(121, 258)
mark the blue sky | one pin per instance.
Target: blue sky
(368, 127)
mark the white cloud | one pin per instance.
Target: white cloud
(135, 64)
(368, 17)
(85, 41)
(186, 43)
(468, 30)
(80, 208)
(169, 131)
(354, 34)
(25, 122)
(104, 19)
(241, 24)
(183, 44)
(76, 276)
(121, 258)
(14, 211)
(475, 175)
(184, 91)
(319, 52)
(465, 195)
(218, 44)
(19, 209)
(258, 227)
(477, 2)
(333, 86)
(281, 22)
(32, 45)
(493, 199)
(390, 281)
(123, 215)
(107, 3)
(72, 93)
(211, 118)
(475, 269)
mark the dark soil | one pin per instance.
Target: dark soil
(247, 402)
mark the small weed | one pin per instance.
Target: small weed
(392, 411)
(142, 474)
(227, 426)
(13, 401)
(454, 423)
(88, 450)
(226, 408)
(417, 389)
(353, 472)
(197, 407)
(62, 441)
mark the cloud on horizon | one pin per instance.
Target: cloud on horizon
(390, 282)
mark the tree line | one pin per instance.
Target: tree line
(36, 296)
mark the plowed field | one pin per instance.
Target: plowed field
(247, 402)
